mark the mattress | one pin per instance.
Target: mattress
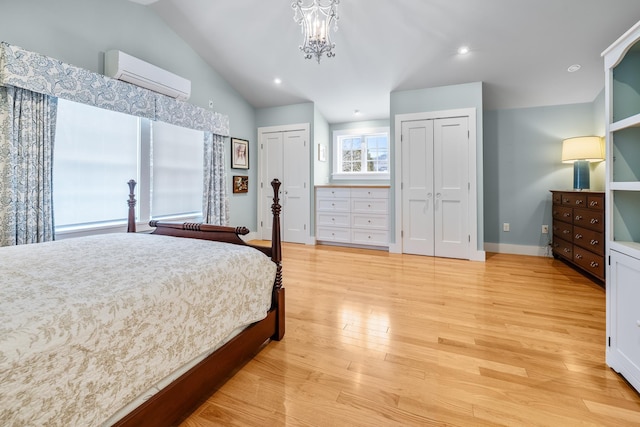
(89, 325)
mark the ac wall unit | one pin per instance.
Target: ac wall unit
(122, 66)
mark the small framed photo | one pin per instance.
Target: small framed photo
(322, 153)
(239, 153)
(240, 183)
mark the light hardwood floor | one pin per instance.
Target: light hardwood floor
(379, 339)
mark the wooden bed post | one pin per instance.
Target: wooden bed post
(131, 225)
(276, 257)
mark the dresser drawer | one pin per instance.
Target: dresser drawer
(333, 193)
(578, 200)
(589, 218)
(369, 193)
(595, 201)
(564, 230)
(333, 205)
(370, 205)
(370, 237)
(331, 234)
(562, 213)
(563, 248)
(369, 221)
(335, 219)
(589, 261)
(589, 239)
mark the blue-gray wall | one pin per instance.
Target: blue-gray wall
(78, 32)
(522, 151)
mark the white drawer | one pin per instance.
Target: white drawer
(380, 206)
(332, 205)
(370, 221)
(370, 193)
(370, 237)
(330, 234)
(333, 219)
(333, 193)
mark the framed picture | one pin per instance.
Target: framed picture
(240, 183)
(239, 153)
(322, 153)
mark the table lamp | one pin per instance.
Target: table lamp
(581, 151)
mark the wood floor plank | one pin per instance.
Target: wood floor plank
(380, 339)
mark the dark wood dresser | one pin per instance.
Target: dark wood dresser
(578, 230)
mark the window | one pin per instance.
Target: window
(361, 154)
(98, 151)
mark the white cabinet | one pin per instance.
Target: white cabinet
(622, 215)
(353, 215)
(623, 307)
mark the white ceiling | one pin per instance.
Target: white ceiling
(520, 49)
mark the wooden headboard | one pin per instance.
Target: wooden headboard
(217, 232)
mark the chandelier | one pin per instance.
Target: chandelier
(315, 21)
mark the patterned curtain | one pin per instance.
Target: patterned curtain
(27, 129)
(215, 204)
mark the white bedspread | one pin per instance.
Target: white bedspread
(89, 324)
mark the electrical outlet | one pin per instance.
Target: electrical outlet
(505, 226)
(545, 229)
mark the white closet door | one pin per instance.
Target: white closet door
(435, 187)
(417, 187)
(285, 156)
(295, 203)
(451, 187)
(271, 146)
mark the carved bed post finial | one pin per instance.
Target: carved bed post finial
(131, 224)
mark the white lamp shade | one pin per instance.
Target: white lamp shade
(590, 148)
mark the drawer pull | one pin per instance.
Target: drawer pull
(593, 203)
(565, 200)
(578, 236)
(566, 215)
(566, 250)
(369, 206)
(593, 242)
(578, 217)
(594, 264)
(369, 221)
(594, 220)
(579, 201)
(578, 256)
(333, 219)
(566, 231)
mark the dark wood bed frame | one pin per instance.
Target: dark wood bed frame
(171, 404)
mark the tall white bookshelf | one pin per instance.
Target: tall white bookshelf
(622, 109)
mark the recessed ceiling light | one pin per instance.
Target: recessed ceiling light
(573, 68)
(277, 81)
(463, 50)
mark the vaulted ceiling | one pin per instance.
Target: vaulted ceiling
(520, 49)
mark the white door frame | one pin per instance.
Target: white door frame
(474, 253)
(266, 186)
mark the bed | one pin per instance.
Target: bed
(148, 338)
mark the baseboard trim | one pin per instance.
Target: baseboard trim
(504, 248)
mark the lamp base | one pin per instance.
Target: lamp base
(581, 175)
